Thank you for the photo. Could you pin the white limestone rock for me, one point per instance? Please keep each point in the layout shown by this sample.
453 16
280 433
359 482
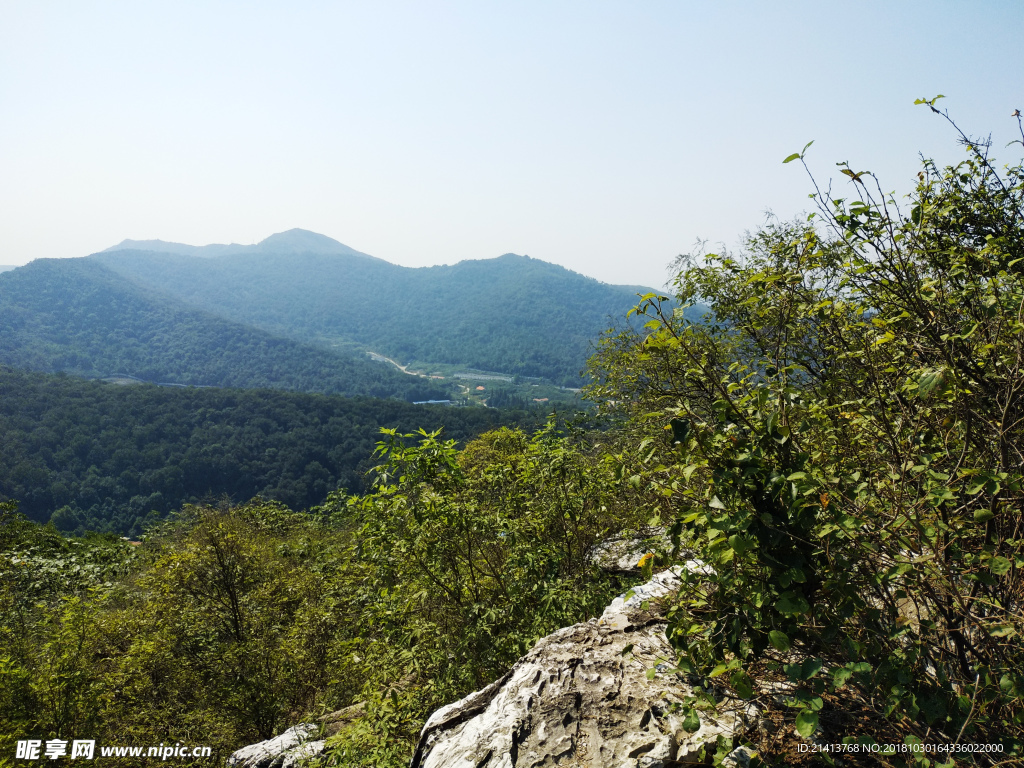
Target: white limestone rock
285 751
582 697
621 553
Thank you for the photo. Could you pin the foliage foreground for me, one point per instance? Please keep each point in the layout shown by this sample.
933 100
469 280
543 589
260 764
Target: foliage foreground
840 439
846 445
228 625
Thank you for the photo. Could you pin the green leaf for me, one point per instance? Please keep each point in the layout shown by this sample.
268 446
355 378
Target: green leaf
740 543
840 676
797 476
691 722
809 667
791 604
716 503
651 673
983 515
1006 684
999 565
1003 630
779 640
931 380
806 722
781 435
680 430
791 158
742 684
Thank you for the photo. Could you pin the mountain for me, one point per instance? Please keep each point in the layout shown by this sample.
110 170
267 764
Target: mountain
511 314
6 268
292 241
78 316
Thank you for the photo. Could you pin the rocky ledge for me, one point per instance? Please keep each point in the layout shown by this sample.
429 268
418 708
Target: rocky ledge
598 693
585 696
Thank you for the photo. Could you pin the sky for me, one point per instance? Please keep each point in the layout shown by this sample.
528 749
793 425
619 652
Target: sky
607 137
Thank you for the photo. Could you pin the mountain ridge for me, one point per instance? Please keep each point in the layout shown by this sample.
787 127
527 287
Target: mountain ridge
512 313
80 317
290 241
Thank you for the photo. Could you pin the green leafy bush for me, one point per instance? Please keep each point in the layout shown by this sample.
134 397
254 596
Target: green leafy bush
471 557
843 440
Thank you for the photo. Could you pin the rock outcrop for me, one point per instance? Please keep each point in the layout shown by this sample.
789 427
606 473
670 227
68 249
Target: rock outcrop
298 744
621 553
599 693
288 750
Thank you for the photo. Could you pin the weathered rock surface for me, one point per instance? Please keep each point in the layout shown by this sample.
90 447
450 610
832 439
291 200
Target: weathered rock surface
582 697
285 751
621 553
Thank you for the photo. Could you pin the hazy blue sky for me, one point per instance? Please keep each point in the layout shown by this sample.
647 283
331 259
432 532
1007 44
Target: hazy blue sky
603 136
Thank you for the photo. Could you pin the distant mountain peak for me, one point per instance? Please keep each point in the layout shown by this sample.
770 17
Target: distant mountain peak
303 241
293 241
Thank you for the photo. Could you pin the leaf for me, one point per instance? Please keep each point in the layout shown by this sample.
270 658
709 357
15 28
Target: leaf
983 515
1002 630
930 381
781 435
999 565
791 604
840 676
740 543
806 723
651 673
716 503
809 667
797 155
779 640
797 476
691 722
742 684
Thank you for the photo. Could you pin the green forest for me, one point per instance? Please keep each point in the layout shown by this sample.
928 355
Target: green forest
839 438
513 314
76 316
88 455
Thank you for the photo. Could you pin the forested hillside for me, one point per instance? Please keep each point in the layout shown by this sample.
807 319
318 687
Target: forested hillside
512 314
77 316
107 457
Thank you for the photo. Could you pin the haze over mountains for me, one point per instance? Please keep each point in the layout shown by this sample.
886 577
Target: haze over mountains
300 311
77 316
511 314
292 241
